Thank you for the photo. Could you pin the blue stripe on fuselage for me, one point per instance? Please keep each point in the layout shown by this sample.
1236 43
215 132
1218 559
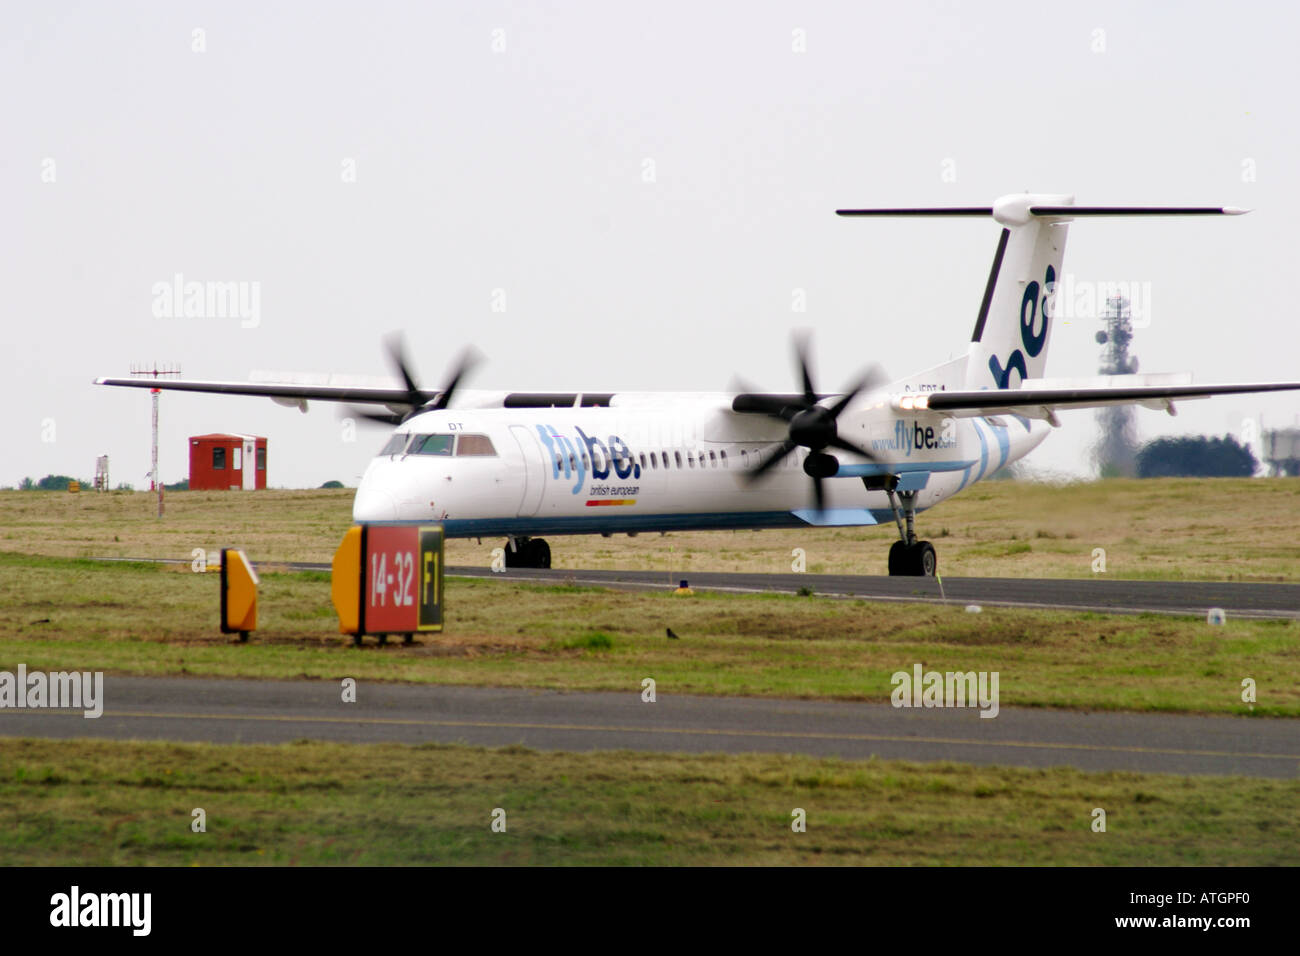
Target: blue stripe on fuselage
608 524
1004 442
984 448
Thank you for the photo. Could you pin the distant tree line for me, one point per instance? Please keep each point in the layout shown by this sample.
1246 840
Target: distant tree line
61 482
1196 457
53 483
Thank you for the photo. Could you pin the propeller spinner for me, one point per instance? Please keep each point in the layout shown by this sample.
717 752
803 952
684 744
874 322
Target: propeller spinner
811 424
418 399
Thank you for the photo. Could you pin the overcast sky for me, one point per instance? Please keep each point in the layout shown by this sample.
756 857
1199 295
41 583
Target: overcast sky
643 187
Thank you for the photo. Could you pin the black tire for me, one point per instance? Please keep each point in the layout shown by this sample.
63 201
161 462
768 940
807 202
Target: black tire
541 553
898 563
926 561
521 555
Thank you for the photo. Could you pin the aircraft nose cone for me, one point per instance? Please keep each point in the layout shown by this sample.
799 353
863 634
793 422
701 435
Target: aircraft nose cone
373 504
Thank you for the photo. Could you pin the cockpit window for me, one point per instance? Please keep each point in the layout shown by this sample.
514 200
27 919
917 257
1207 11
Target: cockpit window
395 444
475 445
430 445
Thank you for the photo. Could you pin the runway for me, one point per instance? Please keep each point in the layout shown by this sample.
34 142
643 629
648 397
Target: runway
1238 599
1096 594
249 711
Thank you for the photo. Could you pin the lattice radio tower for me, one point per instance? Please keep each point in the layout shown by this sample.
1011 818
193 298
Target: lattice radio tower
1115 453
155 371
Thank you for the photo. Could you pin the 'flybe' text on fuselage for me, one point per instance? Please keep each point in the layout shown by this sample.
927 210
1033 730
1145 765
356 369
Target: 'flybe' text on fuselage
571 455
913 435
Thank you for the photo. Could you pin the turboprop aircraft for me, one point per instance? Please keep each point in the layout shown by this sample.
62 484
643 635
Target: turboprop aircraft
527 464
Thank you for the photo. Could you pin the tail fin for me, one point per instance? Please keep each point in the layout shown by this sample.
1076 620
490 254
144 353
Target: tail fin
1014 325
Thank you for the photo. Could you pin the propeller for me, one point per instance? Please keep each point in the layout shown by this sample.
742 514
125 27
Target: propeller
811 424
418 399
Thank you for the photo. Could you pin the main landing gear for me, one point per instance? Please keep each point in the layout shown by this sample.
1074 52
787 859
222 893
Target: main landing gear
527 553
907 556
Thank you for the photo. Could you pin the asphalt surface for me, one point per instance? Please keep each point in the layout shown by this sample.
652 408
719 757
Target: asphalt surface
246 711
1238 599
1102 595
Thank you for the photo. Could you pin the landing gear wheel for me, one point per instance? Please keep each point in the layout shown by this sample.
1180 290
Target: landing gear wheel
898 559
407 639
926 561
528 553
918 560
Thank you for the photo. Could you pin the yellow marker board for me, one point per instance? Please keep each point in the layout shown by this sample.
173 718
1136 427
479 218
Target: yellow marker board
345 581
238 593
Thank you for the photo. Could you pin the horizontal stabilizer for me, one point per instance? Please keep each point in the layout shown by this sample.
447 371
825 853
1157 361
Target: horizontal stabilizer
1045 211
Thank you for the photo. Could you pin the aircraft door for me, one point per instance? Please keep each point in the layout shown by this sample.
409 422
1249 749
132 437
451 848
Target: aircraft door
534 472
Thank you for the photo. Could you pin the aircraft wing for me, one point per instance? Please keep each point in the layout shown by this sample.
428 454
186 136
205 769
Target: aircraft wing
1033 401
285 394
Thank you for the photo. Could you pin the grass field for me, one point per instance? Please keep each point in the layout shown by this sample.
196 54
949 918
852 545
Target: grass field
83 802
61 613
113 804
1194 529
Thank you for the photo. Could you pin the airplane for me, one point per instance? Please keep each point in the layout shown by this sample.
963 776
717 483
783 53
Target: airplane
521 465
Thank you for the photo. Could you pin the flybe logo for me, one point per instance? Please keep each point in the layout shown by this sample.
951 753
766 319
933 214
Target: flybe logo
1031 306
914 435
571 456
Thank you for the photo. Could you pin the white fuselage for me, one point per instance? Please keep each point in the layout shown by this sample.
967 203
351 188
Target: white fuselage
675 463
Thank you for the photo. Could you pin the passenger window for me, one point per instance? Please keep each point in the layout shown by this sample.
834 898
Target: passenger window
430 445
744 458
677 456
654 461
643 461
394 446
713 460
475 445
723 456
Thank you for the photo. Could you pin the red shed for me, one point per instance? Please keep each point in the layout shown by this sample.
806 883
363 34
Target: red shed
227 462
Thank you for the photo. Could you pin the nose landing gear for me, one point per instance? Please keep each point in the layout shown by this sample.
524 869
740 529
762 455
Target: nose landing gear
907 556
528 553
